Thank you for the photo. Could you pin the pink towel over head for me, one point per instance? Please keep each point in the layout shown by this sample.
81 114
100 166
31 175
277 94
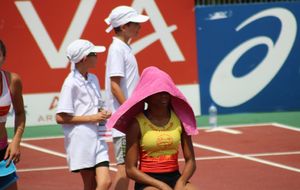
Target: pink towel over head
152 81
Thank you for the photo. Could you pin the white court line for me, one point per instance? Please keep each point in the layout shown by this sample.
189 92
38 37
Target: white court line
274 154
247 157
224 130
42 169
286 127
44 150
42 138
237 125
254 125
33 147
253 155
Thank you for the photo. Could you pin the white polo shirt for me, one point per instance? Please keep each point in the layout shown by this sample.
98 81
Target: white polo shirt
80 97
120 62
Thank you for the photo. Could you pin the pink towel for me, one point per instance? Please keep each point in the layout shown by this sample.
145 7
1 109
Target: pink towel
151 82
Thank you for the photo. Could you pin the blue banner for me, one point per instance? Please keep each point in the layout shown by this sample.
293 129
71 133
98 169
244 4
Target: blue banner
249 57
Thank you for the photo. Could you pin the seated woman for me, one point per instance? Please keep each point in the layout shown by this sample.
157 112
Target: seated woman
153 135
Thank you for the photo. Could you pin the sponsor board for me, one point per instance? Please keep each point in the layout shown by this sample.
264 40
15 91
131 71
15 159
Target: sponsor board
248 57
36 41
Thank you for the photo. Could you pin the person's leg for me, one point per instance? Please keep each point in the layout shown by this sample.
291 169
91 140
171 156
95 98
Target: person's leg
89 179
103 177
121 181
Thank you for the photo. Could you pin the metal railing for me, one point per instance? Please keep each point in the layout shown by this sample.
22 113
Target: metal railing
221 2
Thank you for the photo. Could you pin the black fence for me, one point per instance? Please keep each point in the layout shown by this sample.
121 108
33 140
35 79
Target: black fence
221 2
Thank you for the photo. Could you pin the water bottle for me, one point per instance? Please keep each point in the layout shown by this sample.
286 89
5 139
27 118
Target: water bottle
100 108
213 120
101 123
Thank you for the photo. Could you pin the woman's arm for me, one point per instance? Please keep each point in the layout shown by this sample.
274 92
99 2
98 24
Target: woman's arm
65 118
13 150
190 163
132 154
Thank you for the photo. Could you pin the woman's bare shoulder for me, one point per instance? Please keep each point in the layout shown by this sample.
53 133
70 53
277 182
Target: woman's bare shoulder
133 127
14 78
15 82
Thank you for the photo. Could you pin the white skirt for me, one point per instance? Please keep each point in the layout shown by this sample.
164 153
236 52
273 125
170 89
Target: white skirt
83 146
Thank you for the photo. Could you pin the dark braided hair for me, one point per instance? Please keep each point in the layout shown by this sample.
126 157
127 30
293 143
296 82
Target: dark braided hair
2 48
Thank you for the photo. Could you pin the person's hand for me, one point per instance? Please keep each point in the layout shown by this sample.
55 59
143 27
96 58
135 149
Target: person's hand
106 113
101 116
12 153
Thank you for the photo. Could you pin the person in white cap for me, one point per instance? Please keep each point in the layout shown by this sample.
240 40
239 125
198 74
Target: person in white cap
121 75
79 110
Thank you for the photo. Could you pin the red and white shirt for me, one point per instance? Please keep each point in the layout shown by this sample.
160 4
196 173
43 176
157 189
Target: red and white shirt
5 98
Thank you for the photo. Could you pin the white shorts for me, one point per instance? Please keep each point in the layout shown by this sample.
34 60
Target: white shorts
83 147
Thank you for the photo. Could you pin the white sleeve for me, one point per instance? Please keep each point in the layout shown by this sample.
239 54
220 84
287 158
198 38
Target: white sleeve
115 63
66 101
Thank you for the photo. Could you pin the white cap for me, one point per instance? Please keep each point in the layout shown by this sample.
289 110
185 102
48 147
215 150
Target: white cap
78 49
122 15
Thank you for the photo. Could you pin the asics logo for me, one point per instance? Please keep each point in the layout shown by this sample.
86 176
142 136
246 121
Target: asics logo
229 91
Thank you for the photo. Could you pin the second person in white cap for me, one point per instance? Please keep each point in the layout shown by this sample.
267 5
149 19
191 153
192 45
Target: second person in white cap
121 75
79 110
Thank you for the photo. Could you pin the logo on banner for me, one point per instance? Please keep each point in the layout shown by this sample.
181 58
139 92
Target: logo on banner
54 103
224 85
49 115
57 59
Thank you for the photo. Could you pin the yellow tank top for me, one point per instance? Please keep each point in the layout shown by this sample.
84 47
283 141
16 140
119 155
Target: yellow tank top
159 145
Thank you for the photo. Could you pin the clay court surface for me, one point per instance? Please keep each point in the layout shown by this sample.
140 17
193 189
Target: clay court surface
260 157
